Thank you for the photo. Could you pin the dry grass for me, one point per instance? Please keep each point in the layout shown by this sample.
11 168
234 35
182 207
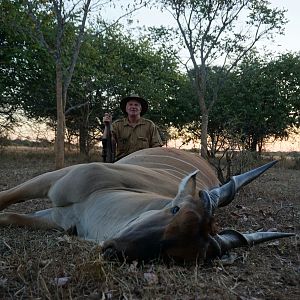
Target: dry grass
52 265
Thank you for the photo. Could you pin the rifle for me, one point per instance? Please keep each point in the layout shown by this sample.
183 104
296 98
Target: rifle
108 153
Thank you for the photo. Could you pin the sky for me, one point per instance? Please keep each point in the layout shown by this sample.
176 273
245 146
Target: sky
290 41
286 43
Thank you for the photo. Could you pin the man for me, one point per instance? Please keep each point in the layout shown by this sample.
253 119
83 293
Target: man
133 132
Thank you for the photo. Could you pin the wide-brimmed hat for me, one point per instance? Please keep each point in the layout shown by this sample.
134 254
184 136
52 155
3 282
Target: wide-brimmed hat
142 101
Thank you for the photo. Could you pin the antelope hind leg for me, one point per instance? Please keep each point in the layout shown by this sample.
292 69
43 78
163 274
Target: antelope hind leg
34 188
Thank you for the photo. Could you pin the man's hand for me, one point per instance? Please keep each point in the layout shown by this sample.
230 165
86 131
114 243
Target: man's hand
107 119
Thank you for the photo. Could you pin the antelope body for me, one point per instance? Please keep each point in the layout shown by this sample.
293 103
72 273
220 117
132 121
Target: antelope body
156 202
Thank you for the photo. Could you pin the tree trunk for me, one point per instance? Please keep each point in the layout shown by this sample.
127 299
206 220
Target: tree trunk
260 145
204 126
253 145
60 132
204 119
83 139
200 83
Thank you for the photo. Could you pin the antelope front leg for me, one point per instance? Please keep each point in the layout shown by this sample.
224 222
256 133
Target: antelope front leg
30 220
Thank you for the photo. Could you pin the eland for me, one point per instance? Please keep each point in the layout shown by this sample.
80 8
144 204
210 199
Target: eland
154 203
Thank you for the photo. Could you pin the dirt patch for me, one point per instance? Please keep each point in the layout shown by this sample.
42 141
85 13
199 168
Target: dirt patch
46 265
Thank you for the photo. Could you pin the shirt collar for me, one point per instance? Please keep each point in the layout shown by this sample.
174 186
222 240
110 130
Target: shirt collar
141 121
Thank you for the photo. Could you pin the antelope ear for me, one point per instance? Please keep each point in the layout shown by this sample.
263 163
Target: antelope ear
186 187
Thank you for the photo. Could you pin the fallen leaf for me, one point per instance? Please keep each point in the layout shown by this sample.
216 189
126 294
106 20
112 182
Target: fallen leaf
229 259
151 278
65 238
133 266
272 229
3 282
274 243
61 281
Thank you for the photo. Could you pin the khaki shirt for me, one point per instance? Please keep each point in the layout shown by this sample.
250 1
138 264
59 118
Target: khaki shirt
130 139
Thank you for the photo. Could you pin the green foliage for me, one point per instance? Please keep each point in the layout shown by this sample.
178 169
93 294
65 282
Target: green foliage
110 66
258 101
218 33
113 65
27 72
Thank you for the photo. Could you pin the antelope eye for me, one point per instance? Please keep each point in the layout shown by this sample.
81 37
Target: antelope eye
175 209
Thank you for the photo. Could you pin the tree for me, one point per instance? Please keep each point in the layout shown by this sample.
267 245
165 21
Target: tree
113 65
13 61
286 68
64 66
218 32
261 100
273 106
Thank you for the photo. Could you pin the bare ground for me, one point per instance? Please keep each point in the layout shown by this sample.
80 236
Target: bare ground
52 265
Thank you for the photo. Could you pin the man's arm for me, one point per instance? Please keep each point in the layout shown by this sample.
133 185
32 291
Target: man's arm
156 138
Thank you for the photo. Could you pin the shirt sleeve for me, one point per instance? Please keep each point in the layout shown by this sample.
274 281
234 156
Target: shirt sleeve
114 129
155 138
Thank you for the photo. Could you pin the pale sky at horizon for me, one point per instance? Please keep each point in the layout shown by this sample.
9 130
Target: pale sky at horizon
291 40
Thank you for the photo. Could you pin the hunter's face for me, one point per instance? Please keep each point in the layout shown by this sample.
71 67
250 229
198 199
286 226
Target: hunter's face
133 108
